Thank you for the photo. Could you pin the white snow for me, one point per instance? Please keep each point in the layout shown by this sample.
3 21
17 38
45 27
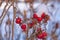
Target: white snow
41 8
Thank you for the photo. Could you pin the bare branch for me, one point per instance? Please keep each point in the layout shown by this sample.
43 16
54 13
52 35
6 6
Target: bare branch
5 13
14 16
0 2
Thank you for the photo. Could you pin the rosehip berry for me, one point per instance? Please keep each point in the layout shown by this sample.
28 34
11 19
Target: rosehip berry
40 36
39 19
18 20
23 26
31 24
44 34
43 15
35 15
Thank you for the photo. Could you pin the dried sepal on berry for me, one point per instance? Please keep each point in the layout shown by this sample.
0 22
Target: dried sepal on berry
31 24
34 21
46 18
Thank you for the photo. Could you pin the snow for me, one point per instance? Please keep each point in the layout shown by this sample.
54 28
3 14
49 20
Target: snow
41 8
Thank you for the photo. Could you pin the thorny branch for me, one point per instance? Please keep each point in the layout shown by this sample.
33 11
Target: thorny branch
4 9
5 12
14 16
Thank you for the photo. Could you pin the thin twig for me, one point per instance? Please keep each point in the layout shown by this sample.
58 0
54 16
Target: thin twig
5 13
0 2
4 9
14 16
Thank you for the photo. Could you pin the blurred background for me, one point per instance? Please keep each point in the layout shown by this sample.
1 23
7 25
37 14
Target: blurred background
12 9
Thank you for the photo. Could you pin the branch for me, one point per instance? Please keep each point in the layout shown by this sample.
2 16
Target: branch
14 16
0 2
4 10
5 13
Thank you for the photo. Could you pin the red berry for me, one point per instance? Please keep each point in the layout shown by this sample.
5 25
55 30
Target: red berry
35 15
43 15
40 36
31 24
44 34
39 19
23 26
18 20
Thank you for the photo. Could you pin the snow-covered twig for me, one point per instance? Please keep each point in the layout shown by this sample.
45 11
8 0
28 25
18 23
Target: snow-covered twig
5 12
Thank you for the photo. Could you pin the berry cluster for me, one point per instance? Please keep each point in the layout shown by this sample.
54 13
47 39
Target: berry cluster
35 19
41 34
44 17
